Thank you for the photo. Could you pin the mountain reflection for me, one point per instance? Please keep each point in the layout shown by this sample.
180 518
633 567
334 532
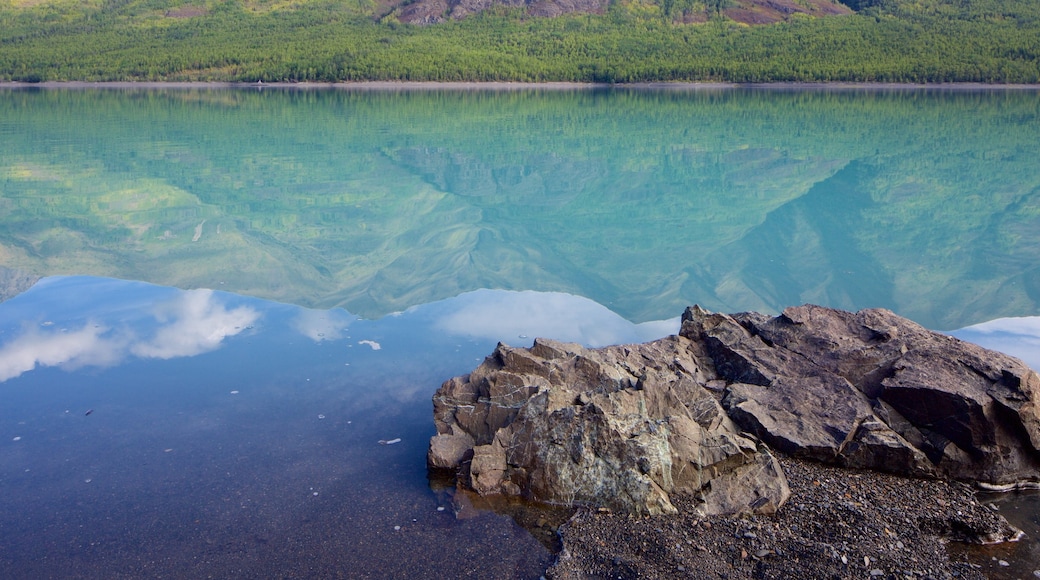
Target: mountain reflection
644 201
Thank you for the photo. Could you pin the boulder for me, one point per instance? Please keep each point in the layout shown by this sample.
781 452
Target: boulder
621 428
874 390
626 427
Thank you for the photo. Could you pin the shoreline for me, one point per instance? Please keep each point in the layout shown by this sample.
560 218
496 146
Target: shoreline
514 86
838 523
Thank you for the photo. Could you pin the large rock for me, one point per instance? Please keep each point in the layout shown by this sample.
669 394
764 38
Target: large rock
874 390
625 427
620 427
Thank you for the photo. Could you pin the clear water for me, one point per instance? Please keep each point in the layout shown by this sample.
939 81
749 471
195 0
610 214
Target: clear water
194 388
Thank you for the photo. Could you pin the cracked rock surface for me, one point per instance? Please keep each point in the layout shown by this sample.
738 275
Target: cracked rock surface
631 428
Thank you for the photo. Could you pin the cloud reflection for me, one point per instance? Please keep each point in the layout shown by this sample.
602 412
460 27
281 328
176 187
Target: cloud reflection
319 325
493 314
70 350
1018 337
192 323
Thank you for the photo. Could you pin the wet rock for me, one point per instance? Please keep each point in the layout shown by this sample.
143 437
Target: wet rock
449 451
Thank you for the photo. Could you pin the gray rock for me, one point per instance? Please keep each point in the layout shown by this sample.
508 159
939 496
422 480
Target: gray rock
874 390
626 427
449 451
620 428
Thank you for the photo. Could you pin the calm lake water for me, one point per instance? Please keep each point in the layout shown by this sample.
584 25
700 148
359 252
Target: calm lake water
246 294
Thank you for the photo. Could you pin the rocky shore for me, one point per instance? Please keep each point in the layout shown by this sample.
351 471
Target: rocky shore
817 443
838 523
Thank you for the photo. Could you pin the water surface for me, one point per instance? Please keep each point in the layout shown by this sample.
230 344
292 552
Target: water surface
245 291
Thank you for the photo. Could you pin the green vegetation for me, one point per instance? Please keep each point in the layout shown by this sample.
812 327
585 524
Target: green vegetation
338 40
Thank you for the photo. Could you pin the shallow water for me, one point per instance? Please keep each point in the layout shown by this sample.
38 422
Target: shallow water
198 432
245 292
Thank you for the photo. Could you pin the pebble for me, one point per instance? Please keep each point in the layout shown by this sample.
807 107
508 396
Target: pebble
1003 563
827 538
397 528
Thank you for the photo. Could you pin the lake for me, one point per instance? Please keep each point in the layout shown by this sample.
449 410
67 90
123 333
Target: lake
226 310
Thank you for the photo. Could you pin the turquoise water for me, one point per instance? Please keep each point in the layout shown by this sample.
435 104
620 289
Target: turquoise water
245 291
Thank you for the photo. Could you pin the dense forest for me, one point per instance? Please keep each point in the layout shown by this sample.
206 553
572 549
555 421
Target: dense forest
911 41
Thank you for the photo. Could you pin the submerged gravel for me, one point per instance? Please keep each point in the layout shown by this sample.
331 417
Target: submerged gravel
838 523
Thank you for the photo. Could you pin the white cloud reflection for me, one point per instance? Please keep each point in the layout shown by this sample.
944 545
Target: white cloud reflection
319 325
70 350
522 316
1018 337
192 323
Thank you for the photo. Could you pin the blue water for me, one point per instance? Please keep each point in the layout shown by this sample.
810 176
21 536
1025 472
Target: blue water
244 293
149 430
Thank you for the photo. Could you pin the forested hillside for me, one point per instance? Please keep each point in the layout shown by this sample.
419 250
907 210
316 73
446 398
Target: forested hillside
994 41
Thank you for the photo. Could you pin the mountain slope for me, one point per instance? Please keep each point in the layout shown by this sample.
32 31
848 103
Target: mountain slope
682 11
606 41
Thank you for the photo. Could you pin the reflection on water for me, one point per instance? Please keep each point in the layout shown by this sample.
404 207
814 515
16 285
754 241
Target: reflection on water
644 201
149 430
189 323
163 428
1019 337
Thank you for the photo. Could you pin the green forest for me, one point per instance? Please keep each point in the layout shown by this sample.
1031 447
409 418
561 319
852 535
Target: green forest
902 41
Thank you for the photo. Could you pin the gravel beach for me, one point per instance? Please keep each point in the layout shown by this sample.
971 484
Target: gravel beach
838 523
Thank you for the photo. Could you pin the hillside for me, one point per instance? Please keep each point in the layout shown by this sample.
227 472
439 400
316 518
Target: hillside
752 12
995 41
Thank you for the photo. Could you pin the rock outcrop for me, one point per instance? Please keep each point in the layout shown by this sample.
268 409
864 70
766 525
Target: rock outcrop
625 427
620 427
874 390
744 11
